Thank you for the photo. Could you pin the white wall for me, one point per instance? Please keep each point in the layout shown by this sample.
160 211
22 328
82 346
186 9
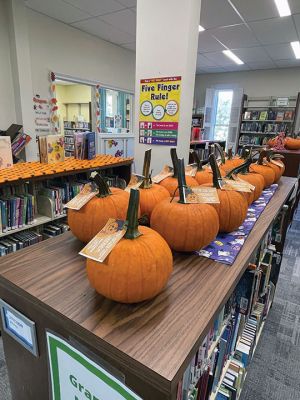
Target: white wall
57 47
273 82
7 104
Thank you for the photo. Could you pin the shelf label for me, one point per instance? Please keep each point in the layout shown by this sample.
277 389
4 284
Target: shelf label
19 327
74 376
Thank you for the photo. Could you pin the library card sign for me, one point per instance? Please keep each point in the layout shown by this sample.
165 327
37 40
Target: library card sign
76 377
159 110
19 327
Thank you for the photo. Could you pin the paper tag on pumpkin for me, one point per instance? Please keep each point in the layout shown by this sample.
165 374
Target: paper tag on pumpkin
105 240
165 173
135 182
230 184
203 195
238 179
278 163
191 170
87 193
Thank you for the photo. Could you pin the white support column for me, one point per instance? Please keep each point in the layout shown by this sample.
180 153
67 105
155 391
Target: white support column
166 45
21 71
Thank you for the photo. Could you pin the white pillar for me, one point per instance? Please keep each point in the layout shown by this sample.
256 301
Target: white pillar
166 45
21 72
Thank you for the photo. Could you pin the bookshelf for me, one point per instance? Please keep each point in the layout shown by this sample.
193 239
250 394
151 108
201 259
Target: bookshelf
151 343
264 117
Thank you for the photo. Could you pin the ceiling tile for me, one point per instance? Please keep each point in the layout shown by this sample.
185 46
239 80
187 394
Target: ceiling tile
276 30
261 65
203 61
124 20
129 46
58 9
99 28
207 43
297 23
127 3
280 51
236 68
252 54
219 59
287 63
255 10
225 14
96 7
236 37
212 69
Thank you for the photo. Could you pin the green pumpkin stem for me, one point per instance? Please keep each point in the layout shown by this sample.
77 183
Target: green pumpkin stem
241 169
103 187
182 186
221 152
197 160
217 178
147 183
132 231
174 161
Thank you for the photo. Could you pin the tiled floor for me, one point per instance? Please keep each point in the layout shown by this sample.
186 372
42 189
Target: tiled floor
274 373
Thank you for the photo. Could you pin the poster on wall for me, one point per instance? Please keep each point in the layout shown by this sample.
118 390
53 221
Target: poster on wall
159 110
41 109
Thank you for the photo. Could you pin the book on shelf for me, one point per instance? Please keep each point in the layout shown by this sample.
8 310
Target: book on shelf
6 160
263 115
280 116
247 115
272 115
84 145
288 115
51 148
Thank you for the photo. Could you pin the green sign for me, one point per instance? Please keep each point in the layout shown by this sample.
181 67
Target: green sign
76 377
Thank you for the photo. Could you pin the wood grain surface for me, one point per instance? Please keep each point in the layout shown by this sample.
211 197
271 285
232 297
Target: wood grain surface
155 339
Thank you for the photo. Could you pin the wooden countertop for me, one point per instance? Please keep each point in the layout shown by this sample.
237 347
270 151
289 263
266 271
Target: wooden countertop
155 339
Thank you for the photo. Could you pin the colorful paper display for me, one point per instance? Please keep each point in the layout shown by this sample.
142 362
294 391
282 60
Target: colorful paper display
159 110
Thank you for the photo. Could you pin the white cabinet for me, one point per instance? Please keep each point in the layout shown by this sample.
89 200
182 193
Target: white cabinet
118 145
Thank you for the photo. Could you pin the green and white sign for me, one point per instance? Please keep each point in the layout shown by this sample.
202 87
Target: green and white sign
76 377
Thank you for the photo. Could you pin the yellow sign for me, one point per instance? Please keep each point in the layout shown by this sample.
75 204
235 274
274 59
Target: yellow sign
159 110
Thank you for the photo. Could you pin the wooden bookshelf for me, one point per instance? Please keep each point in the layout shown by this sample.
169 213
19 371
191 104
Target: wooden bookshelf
151 343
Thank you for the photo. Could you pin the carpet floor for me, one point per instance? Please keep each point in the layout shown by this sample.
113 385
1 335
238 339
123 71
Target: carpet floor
274 372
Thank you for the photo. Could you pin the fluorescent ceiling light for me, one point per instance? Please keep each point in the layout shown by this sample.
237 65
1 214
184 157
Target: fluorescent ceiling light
233 57
296 49
201 29
283 7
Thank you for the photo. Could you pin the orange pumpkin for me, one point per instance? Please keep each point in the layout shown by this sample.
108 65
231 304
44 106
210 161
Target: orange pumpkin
231 161
171 182
276 165
202 175
233 206
185 227
150 194
262 168
292 143
138 267
91 218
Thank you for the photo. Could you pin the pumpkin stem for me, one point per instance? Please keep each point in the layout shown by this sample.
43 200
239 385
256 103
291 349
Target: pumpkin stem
230 154
217 179
182 186
132 231
262 155
174 161
241 169
197 161
221 152
103 187
245 153
147 183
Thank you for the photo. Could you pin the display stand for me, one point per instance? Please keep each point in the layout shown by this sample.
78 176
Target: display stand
150 343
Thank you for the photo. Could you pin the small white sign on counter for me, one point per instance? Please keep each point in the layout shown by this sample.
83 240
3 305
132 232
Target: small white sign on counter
19 327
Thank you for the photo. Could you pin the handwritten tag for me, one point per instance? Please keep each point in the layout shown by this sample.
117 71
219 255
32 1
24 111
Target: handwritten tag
105 240
238 179
87 193
234 185
135 182
191 170
278 163
203 195
165 173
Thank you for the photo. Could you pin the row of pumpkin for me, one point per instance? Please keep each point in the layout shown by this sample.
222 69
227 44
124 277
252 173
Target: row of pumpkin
139 266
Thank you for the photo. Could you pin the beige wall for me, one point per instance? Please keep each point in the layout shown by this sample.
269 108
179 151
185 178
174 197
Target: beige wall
7 104
273 82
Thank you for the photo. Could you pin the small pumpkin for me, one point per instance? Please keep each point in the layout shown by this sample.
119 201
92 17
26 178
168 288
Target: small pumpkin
185 227
262 168
92 217
231 161
233 206
150 193
276 164
203 175
138 267
171 182
292 143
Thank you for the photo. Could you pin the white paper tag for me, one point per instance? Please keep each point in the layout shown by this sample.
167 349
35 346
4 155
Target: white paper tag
87 193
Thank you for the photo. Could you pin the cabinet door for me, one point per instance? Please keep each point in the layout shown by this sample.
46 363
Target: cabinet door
114 147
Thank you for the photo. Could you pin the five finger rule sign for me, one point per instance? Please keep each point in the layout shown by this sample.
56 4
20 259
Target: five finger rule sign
159 110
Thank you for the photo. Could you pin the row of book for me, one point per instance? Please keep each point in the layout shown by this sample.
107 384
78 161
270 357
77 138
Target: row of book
254 140
268 115
264 127
84 145
76 125
16 211
20 240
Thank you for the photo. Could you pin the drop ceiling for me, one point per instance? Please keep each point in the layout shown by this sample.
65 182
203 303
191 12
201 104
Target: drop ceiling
252 29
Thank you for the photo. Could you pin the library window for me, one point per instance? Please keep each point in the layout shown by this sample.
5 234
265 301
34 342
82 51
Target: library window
222 113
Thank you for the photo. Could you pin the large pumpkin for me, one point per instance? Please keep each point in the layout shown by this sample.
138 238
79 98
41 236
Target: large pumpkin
292 143
138 267
185 227
92 217
150 194
233 206
261 167
171 182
